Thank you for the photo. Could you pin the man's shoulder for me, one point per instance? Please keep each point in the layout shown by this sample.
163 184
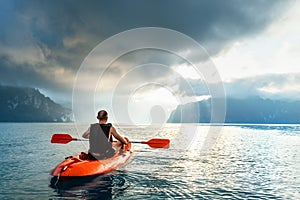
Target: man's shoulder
97 124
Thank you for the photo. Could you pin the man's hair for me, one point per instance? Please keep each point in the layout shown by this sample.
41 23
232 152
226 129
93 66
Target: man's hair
102 115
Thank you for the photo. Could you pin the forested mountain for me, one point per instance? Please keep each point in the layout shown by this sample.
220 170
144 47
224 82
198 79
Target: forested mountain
250 110
29 105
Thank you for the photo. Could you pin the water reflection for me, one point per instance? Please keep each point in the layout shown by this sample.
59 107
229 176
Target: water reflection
94 187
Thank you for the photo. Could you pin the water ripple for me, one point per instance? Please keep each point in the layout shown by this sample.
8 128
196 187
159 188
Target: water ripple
245 163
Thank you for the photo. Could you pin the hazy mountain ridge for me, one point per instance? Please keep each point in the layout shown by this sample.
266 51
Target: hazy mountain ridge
250 110
29 105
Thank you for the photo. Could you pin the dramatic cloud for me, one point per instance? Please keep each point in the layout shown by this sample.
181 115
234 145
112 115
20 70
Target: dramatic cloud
252 43
42 43
274 86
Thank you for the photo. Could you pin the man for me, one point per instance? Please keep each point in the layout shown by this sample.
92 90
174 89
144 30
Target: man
100 137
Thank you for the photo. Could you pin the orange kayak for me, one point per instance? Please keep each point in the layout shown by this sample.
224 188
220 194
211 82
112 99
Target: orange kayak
78 166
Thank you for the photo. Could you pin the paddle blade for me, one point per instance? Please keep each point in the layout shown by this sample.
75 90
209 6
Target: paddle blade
61 138
158 143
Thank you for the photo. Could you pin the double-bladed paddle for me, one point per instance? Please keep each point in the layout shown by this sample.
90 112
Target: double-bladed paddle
153 143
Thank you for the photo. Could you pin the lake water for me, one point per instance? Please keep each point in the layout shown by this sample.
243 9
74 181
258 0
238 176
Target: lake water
241 162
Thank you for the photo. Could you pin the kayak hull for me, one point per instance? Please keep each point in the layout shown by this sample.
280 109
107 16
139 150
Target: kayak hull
76 166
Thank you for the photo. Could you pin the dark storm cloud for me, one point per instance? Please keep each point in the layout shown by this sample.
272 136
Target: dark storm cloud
27 75
37 36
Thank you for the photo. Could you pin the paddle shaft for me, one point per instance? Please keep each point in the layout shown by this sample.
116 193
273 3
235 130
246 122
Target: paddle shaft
153 143
133 141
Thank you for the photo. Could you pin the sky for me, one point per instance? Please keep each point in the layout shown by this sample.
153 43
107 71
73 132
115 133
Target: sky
252 45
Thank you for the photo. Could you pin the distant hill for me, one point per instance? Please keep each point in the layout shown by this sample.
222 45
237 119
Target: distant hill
29 105
251 110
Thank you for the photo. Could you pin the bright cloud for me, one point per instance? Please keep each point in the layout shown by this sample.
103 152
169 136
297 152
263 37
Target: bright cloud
187 71
281 89
275 51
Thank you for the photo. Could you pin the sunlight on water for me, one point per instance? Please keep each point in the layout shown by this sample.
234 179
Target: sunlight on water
245 162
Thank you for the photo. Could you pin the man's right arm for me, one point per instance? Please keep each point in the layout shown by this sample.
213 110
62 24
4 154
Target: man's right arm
86 134
117 136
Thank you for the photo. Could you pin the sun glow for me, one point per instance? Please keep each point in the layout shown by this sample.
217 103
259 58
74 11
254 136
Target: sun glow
148 106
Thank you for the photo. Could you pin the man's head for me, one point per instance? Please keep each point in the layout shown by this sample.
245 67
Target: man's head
102 115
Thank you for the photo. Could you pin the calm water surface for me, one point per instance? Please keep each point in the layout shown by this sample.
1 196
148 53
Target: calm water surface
245 162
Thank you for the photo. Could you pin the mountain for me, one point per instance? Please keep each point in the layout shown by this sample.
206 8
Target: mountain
29 105
251 110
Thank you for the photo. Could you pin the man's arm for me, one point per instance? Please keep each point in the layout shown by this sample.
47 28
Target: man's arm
117 136
86 134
